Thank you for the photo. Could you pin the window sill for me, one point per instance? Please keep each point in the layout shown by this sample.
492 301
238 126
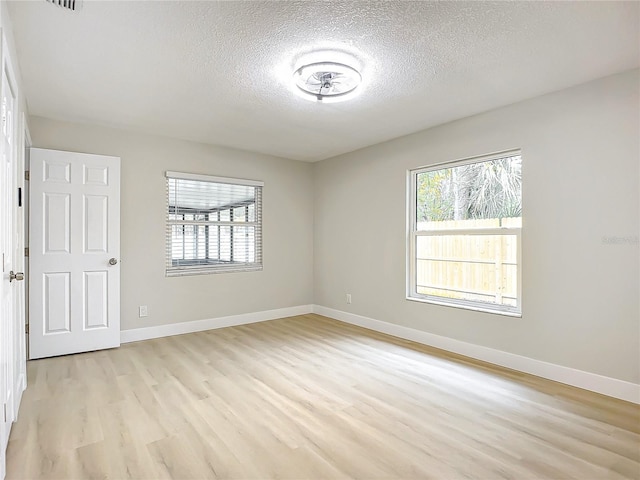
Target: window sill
474 308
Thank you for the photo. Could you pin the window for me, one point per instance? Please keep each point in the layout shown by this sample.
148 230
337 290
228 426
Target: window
465 221
214 224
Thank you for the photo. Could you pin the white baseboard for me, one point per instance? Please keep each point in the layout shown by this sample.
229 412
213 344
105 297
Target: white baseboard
578 378
146 333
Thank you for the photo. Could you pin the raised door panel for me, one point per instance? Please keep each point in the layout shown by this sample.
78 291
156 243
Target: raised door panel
56 172
57 300
96 225
95 289
97 175
57 223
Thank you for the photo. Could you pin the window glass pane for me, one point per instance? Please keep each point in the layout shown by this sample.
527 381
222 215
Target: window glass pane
471 248
214 241
177 247
188 241
225 243
478 195
240 214
201 242
243 244
468 267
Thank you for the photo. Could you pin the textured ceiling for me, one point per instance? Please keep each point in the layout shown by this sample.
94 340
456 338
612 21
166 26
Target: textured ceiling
220 72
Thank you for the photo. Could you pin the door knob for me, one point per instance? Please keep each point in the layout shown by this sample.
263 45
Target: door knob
15 276
113 261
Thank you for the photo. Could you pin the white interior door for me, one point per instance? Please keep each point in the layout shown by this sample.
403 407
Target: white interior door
8 240
74 252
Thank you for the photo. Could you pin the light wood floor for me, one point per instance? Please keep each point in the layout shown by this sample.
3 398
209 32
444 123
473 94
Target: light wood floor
308 397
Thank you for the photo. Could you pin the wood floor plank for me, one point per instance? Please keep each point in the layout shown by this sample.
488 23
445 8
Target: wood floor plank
309 397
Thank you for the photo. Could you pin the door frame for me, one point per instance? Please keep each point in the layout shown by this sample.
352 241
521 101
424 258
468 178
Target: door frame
27 143
21 334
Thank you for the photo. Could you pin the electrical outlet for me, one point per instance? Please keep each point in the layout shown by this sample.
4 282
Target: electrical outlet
142 311
348 298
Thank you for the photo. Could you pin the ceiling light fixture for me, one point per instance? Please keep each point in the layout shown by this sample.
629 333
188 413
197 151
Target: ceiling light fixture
327 80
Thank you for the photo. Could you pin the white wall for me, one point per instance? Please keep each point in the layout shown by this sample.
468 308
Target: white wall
287 277
581 156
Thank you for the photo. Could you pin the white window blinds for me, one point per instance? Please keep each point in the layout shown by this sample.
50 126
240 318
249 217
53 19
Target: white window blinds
214 224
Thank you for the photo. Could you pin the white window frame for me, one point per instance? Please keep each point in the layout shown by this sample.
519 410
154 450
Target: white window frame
182 270
413 233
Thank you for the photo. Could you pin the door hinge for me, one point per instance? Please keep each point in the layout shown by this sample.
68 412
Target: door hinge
26 329
26 174
5 412
26 251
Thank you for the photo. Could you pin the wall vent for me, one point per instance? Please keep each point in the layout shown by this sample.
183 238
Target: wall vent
68 4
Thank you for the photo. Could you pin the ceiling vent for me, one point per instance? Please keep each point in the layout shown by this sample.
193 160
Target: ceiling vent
68 4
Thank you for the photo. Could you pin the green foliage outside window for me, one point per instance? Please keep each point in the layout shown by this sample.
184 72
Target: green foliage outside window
491 189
